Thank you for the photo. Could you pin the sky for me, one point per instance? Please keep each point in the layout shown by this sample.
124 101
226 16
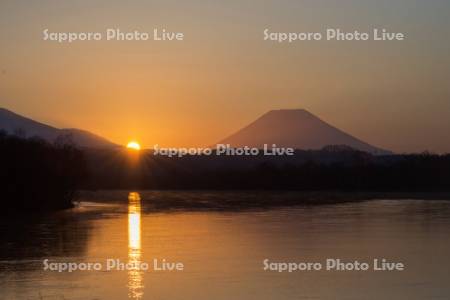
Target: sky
223 75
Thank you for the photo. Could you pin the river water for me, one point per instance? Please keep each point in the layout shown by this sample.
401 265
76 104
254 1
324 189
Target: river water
222 253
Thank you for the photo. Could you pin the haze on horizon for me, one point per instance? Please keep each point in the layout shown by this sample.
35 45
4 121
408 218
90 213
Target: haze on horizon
223 75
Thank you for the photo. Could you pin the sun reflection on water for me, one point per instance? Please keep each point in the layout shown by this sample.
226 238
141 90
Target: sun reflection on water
135 275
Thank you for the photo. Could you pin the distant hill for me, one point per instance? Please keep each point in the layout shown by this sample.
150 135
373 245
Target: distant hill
298 129
19 125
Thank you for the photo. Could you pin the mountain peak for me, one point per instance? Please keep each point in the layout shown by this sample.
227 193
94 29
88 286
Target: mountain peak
12 123
289 113
295 128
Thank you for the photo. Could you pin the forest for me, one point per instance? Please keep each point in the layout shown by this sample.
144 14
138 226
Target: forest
38 175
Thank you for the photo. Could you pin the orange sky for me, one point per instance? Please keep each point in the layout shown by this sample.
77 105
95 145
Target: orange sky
223 75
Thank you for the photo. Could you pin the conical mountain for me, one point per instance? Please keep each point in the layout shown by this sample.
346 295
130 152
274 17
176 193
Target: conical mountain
297 129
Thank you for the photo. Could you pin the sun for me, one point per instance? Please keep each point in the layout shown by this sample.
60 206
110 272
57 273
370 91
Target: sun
134 145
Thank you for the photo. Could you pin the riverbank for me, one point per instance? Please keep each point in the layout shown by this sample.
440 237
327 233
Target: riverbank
199 200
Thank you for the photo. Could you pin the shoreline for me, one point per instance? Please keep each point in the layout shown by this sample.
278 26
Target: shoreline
226 200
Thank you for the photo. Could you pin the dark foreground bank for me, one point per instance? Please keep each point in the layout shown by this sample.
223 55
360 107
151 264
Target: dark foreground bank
334 168
36 175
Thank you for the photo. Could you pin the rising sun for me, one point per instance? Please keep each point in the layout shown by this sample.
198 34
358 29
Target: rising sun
134 145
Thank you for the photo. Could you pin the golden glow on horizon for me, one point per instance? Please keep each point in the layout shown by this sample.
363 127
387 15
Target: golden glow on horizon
198 92
134 145
135 275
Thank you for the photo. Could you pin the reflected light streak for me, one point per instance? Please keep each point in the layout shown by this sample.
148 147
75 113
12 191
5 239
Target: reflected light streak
135 275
